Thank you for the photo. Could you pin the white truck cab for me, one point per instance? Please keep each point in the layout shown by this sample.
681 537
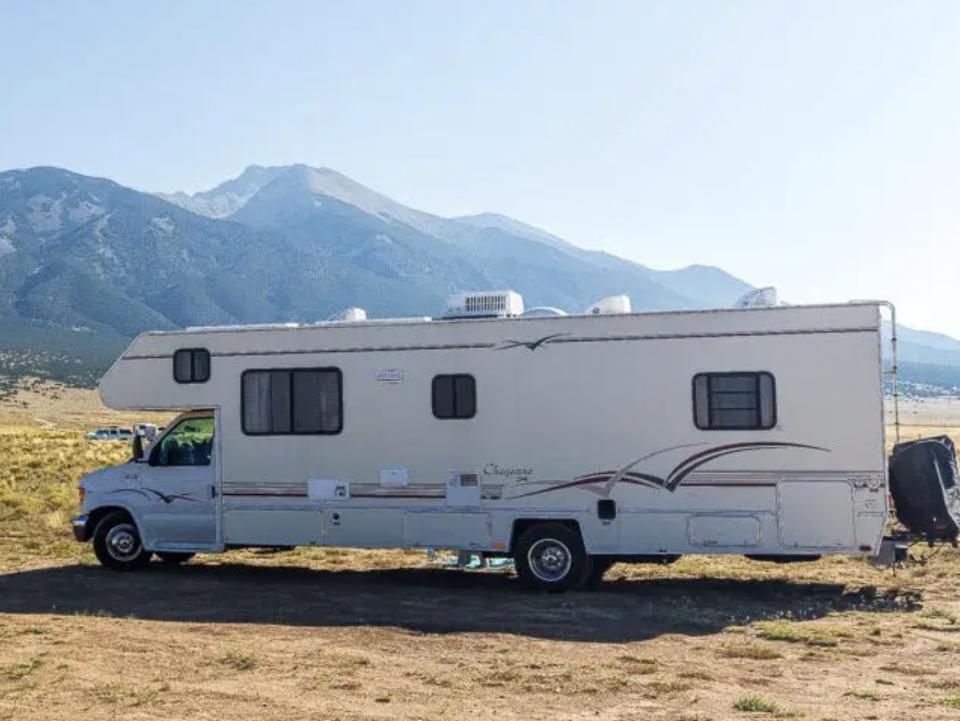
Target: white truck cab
168 491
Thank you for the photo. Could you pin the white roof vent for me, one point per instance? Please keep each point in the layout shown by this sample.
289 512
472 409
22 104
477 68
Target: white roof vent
489 304
758 298
349 315
612 305
543 311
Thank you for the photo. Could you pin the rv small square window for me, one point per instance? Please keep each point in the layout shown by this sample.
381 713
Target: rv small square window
191 365
298 401
454 396
734 401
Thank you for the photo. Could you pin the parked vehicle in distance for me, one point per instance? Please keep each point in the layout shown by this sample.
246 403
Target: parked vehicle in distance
112 433
566 442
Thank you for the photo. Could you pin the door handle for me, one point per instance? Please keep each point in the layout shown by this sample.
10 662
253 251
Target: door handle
213 491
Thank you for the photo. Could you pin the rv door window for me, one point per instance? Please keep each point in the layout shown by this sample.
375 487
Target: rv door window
454 396
300 401
734 401
191 365
189 443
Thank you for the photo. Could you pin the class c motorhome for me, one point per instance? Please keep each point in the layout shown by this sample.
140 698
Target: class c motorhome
566 442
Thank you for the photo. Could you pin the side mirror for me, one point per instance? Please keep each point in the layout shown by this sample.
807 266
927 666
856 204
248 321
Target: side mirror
139 454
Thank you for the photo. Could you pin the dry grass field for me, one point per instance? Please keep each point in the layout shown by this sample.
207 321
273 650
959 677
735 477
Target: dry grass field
333 634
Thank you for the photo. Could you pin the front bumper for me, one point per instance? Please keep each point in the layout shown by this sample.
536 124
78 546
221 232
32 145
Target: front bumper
81 530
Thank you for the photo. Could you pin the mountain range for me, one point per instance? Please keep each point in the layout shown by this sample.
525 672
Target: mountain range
86 263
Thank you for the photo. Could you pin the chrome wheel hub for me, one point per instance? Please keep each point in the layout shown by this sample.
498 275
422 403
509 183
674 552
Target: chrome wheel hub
122 543
550 560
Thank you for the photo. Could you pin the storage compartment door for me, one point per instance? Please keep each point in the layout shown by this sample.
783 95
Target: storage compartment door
363 527
447 530
815 514
719 531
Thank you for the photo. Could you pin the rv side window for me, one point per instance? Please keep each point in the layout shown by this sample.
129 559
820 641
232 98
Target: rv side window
454 396
191 365
734 401
295 401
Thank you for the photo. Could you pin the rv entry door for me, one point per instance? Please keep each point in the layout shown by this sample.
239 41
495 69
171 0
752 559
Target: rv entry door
178 487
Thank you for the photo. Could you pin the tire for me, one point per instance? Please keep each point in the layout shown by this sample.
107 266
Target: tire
117 544
550 557
171 558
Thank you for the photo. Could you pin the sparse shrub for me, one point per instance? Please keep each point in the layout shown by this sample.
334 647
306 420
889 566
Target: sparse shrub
239 660
638 665
945 684
660 688
345 685
908 670
33 631
864 695
120 694
755 704
750 650
17 671
940 614
794 633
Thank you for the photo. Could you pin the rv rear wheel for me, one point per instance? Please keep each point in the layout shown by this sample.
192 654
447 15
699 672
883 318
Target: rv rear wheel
170 558
117 544
550 557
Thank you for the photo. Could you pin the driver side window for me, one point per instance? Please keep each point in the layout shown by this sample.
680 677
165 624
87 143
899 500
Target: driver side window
190 443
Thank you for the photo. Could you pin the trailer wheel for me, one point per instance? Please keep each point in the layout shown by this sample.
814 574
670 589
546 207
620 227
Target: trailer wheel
117 544
171 558
550 557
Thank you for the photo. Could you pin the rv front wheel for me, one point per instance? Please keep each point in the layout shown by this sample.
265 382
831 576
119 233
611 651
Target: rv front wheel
117 544
550 556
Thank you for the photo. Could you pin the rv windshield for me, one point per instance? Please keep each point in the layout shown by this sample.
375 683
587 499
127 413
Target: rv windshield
189 443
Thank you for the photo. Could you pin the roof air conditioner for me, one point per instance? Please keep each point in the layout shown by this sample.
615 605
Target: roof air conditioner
758 298
489 304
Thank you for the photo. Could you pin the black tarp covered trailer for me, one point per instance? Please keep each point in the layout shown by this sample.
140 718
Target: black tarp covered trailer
924 486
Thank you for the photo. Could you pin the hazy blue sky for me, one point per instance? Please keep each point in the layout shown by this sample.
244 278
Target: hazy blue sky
814 146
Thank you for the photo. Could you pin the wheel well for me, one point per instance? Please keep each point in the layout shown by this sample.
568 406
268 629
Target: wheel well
522 525
99 514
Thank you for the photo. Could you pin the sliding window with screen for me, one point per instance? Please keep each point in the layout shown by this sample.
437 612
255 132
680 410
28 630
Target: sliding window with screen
734 401
191 365
292 401
454 396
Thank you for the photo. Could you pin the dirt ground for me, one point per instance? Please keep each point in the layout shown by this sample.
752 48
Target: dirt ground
335 634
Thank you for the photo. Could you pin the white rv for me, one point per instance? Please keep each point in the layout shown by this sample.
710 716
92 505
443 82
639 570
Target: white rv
564 441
